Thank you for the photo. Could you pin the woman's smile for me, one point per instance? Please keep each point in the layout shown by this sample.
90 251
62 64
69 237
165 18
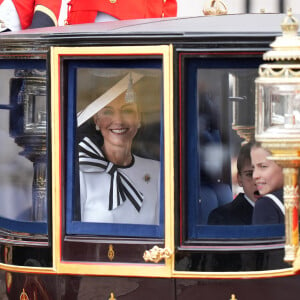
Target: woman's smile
118 122
119 130
267 174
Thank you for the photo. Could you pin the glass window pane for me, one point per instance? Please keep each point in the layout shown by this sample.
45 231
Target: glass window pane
218 110
118 114
23 130
16 171
221 120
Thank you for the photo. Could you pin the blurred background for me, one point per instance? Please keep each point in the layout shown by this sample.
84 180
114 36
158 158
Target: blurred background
195 7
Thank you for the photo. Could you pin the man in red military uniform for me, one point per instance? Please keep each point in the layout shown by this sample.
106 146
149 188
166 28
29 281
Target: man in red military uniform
90 11
22 14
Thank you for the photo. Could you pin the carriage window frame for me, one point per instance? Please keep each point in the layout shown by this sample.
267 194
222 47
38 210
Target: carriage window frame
190 233
74 227
157 57
14 226
67 248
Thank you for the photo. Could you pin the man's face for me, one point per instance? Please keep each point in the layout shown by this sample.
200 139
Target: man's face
246 181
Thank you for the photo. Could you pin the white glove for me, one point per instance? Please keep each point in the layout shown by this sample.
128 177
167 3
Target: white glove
9 18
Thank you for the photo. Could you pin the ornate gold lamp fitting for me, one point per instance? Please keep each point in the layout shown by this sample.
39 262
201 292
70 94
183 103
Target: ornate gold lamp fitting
214 8
156 254
278 119
287 46
246 133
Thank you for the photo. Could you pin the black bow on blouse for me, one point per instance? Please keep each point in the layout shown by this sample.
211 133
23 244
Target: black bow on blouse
91 159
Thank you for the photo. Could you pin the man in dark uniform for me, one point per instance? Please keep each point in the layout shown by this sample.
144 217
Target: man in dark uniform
239 211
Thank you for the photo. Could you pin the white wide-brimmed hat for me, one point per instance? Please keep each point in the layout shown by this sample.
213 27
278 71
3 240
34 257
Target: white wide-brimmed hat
111 94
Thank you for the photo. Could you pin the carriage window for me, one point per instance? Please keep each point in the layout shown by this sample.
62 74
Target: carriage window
217 200
117 142
107 109
23 158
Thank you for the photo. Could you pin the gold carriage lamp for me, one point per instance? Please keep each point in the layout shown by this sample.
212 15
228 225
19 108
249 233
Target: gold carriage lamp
278 120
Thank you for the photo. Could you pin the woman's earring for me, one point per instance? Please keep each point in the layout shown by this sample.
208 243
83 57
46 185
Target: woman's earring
139 125
97 127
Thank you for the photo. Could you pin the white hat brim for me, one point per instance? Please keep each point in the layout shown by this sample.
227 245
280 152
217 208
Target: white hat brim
111 94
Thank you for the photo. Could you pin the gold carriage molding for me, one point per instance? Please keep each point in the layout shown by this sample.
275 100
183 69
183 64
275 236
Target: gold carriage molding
156 254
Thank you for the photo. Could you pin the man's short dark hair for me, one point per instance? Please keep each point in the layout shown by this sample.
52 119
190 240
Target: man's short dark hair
244 156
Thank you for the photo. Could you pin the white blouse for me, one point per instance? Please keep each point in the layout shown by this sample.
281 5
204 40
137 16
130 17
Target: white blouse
94 195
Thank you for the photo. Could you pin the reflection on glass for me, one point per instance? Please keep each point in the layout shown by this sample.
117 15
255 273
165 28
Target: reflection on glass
35 111
119 145
23 161
279 105
16 171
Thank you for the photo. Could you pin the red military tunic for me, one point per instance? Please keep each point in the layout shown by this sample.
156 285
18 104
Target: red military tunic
81 11
27 8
